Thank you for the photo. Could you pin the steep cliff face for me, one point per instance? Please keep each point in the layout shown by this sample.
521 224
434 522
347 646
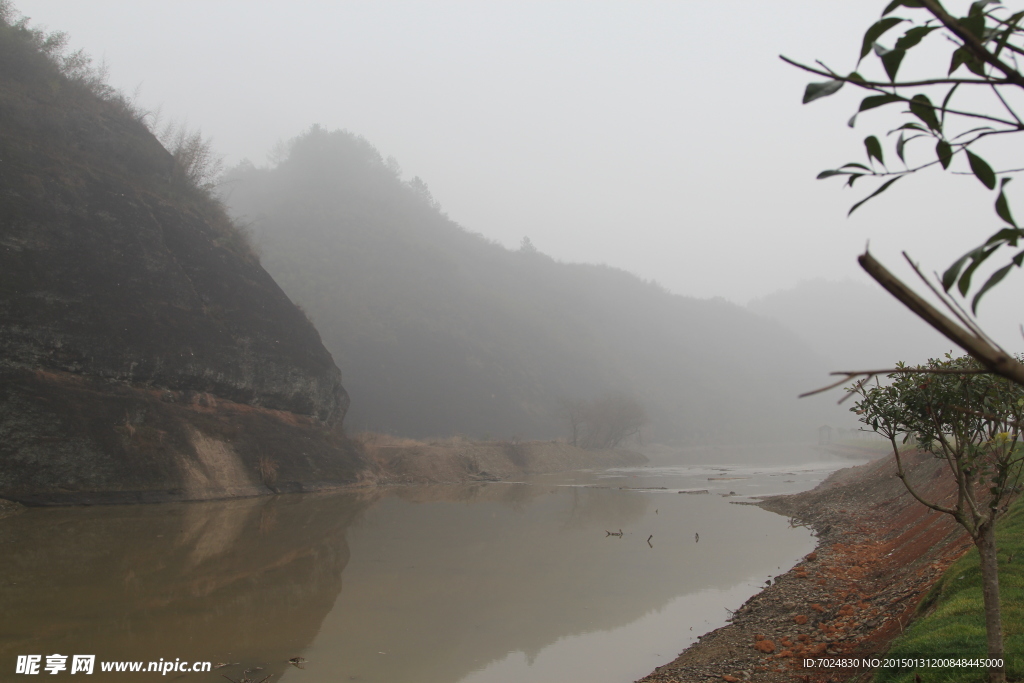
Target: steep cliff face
127 297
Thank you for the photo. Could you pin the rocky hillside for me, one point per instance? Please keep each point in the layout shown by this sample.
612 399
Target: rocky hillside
144 351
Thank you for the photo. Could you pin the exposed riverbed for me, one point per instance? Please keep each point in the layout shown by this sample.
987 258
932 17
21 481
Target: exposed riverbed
481 583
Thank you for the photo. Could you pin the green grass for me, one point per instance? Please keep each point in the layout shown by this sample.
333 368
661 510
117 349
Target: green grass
956 625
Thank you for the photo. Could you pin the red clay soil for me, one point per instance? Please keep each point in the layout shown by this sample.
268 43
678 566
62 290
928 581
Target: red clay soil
879 552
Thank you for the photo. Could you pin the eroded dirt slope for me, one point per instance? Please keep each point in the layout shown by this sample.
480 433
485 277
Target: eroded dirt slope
879 552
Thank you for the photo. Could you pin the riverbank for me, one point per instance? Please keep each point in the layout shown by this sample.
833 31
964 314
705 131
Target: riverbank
9 508
386 461
458 460
879 552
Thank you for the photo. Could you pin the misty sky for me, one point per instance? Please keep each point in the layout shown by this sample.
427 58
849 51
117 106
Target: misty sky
664 138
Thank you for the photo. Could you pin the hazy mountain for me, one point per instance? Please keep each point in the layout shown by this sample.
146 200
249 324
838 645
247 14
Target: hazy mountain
856 326
439 330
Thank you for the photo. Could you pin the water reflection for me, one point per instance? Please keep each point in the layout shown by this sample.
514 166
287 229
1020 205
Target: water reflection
229 581
514 582
482 583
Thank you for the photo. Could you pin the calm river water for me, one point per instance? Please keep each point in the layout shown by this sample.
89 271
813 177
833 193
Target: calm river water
483 583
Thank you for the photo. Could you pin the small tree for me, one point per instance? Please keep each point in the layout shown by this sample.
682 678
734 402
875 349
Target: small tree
971 420
604 422
573 412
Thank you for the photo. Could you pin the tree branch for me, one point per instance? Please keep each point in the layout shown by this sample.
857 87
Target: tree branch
990 356
972 43
876 86
903 477
897 84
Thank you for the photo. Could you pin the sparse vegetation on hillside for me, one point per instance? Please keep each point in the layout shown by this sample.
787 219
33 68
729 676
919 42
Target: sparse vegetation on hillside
32 55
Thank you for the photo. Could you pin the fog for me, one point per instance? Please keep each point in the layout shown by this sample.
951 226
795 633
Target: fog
664 139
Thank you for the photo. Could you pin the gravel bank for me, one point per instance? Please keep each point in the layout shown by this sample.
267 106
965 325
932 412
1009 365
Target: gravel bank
879 551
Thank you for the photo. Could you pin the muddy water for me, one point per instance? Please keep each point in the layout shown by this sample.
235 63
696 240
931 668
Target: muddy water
484 583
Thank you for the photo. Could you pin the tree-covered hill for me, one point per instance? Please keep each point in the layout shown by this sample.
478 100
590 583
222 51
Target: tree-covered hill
439 330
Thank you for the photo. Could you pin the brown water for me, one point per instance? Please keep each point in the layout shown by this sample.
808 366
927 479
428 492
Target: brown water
485 583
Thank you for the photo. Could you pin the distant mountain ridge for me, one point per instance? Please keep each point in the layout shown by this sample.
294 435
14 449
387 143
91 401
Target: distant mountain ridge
441 331
855 325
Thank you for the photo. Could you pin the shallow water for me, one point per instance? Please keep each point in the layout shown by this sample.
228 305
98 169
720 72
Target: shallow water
483 583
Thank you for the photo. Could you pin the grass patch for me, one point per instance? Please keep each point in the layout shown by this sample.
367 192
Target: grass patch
956 625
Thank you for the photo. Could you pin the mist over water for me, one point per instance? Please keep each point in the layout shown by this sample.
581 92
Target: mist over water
440 584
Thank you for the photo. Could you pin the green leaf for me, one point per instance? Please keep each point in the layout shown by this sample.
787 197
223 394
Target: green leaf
891 61
961 56
975 23
1005 236
914 36
1003 208
874 149
874 194
976 67
871 102
905 3
853 178
815 91
981 170
899 147
922 108
978 6
945 103
855 165
949 277
829 174
913 125
875 32
978 256
945 153
994 280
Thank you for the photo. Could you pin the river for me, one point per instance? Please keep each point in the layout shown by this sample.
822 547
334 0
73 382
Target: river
483 583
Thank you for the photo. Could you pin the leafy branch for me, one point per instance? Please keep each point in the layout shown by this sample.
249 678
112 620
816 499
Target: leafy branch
979 40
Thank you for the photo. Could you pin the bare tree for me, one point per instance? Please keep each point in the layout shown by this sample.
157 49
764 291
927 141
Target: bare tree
573 411
604 422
